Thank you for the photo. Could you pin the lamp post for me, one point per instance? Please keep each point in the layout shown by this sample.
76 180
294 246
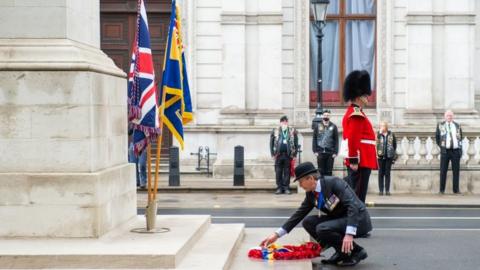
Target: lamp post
319 10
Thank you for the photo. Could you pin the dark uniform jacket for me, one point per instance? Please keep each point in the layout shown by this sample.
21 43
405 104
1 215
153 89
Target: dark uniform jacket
276 141
441 135
386 146
349 207
325 139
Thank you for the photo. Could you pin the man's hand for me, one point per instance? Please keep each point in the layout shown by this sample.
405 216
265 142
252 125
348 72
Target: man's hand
354 167
269 240
347 245
334 155
316 154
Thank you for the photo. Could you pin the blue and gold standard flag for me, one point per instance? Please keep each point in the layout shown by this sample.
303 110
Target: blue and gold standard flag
175 103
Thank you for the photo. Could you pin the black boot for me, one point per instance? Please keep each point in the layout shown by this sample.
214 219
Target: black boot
334 259
358 254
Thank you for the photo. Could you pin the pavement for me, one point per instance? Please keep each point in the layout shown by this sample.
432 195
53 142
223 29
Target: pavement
232 199
203 191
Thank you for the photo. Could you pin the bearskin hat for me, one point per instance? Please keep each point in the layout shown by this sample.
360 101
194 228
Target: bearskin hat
356 84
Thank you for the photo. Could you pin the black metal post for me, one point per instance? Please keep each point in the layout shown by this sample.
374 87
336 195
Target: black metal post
174 167
319 110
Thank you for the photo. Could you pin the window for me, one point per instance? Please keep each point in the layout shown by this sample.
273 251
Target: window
348 44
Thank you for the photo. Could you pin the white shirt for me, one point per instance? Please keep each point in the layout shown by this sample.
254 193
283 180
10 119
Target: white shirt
451 129
349 230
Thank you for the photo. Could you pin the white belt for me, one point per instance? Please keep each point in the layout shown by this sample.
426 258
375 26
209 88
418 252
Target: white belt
368 142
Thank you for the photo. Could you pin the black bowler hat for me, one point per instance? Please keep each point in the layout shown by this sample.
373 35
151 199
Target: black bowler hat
304 169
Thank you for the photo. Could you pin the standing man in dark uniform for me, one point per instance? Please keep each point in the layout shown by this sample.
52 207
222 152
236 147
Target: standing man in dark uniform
341 216
449 137
283 148
325 144
358 133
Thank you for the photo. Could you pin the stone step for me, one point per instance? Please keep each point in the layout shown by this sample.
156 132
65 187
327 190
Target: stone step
119 249
215 250
253 237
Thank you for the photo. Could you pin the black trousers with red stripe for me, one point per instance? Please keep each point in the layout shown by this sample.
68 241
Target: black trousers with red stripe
358 180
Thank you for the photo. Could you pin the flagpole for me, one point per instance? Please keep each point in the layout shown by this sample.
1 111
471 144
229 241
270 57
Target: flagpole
159 142
157 161
149 170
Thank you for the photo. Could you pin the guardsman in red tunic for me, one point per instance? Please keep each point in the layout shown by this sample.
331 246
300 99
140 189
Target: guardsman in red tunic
358 133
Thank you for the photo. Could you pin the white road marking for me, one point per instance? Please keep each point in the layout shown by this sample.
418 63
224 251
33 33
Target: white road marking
379 218
424 229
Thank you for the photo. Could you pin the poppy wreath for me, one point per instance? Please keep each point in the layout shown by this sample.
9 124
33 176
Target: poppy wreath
286 252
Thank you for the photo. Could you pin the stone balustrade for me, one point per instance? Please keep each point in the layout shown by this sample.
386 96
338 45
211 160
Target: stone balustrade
421 151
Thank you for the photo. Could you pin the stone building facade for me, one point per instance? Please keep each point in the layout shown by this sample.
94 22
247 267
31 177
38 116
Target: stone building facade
249 64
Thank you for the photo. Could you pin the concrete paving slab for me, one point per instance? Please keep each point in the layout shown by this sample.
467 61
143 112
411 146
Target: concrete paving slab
252 239
118 249
215 250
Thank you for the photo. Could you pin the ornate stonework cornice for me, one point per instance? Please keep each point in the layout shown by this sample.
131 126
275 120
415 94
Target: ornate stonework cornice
54 55
429 18
266 18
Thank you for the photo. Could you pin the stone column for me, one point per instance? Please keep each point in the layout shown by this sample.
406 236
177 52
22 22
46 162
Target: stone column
252 62
63 126
269 46
302 115
234 60
420 44
459 40
385 62
440 61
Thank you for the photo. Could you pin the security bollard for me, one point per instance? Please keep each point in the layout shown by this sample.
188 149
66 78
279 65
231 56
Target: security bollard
174 167
238 167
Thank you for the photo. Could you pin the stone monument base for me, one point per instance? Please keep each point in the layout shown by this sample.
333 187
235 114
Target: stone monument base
66 204
192 243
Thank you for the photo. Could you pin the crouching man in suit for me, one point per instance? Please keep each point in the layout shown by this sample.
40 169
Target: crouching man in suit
340 217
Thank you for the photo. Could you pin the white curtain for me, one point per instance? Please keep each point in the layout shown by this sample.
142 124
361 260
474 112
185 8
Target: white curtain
360 47
360 7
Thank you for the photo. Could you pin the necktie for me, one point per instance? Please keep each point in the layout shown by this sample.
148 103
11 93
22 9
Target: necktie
319 199
451 136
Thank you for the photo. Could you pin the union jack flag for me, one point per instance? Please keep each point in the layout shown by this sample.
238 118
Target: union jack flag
142 91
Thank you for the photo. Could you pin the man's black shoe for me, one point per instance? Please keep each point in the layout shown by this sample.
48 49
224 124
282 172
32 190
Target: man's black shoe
279 191
354 258
288 192
334 259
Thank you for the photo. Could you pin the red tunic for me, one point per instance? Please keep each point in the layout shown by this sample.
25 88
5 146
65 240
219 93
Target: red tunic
359 132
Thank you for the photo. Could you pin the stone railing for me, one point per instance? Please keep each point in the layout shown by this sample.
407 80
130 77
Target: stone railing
421 151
